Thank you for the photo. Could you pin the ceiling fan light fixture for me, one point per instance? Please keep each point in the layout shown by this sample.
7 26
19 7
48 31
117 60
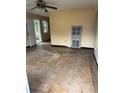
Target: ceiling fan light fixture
46 11
40 4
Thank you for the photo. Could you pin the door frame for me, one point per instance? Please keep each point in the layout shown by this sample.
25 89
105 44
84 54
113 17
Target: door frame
32 39
39 29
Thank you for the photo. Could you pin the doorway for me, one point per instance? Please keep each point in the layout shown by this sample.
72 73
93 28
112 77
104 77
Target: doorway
37 31
76 36
31 40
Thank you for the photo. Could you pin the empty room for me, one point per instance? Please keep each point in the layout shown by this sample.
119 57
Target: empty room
62 46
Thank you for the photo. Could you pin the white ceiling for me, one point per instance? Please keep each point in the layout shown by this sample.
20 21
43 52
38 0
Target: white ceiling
61 5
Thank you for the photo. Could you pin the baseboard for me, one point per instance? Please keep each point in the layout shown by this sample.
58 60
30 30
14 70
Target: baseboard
31 46
27 46
71 47
59 46
87 48
95 60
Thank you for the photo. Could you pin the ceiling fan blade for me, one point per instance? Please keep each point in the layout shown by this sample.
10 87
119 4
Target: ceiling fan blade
33 8
51 7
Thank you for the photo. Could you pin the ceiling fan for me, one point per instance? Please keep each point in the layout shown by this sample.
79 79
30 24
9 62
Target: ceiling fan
40 4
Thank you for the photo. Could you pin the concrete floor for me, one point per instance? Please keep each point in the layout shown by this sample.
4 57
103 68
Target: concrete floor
61 70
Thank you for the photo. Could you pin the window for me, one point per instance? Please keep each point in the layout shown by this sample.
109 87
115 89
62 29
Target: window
45 26
76 36
36 26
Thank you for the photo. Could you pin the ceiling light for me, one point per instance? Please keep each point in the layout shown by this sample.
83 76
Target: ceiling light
46 10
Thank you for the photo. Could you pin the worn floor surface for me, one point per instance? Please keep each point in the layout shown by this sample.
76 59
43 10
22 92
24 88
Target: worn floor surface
61 70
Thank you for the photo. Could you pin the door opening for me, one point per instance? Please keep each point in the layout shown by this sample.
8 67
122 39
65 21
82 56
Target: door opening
76 36
30 30
37 31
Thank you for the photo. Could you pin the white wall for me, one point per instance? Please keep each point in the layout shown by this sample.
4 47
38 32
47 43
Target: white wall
62 21
96 45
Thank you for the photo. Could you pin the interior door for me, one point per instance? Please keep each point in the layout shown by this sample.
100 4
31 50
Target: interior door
76 36
37 31
31 32
27 39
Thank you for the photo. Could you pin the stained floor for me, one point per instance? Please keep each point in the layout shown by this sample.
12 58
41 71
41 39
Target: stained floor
53 69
